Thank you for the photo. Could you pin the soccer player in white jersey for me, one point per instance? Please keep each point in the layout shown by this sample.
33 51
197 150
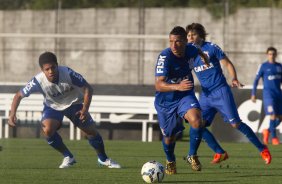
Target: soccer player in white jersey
66 93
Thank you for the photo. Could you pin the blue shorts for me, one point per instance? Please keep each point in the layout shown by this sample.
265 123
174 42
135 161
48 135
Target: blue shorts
220 100
272 106
169 116
70 113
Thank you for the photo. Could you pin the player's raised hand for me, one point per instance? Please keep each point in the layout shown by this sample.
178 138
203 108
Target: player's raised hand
12 120
185 85
236 83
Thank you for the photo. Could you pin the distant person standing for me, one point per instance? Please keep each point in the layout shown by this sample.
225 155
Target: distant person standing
216 94
66 93
271 73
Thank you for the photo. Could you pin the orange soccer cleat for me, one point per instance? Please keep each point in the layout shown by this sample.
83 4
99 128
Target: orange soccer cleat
275 141
265 136
219 158
266 156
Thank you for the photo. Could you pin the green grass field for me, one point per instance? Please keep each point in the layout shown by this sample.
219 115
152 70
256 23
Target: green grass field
33 161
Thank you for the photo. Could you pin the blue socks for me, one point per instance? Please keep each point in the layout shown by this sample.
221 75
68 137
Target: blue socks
195 140
277 123
248 132
272 128
98 144
211 141
56 142
169 151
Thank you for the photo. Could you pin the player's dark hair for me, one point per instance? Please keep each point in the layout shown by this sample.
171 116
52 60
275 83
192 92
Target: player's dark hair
180 31
46 58
271 49
198 28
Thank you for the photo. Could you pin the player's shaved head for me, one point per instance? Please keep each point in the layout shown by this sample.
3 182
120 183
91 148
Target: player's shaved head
46 58
180 31
198 28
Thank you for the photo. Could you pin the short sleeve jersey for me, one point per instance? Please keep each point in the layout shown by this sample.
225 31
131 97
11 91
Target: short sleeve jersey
211 78
174 69
271 74
60 95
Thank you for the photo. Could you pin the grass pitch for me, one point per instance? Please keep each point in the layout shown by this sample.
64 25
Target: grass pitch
33 161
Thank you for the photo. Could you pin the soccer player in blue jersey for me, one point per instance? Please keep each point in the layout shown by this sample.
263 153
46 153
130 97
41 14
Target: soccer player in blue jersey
271 73
216 94
66 93
175 97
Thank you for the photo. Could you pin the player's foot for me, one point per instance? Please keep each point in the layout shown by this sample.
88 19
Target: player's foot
67 162
266 156
170 168
219 158
109 163
265 136
275 141
194 162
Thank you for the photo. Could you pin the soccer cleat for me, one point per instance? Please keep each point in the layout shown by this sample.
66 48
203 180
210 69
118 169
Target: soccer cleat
265 136
170 168
109 163
67 162
219 158
275 141
194 162
266 156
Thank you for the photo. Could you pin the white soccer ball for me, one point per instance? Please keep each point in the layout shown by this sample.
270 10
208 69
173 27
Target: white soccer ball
152 172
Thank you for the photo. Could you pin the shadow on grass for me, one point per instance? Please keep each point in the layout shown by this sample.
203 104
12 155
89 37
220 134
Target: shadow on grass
199 181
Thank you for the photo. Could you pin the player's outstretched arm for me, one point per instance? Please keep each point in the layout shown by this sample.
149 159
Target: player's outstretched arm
88 92
16 102
232 72
163 86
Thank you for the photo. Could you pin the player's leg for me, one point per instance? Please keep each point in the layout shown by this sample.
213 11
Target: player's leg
275 120
51 122
189 109
272 129
229 110
170 126
208 114
276 141
168 144
249 133
94 138
96 141
193 116
269 110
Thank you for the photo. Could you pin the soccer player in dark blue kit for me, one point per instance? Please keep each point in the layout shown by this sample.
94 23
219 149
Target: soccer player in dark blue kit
216 94
271 73
175 97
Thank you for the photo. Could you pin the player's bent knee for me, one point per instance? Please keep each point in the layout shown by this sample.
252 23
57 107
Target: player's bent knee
194 121
169 140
